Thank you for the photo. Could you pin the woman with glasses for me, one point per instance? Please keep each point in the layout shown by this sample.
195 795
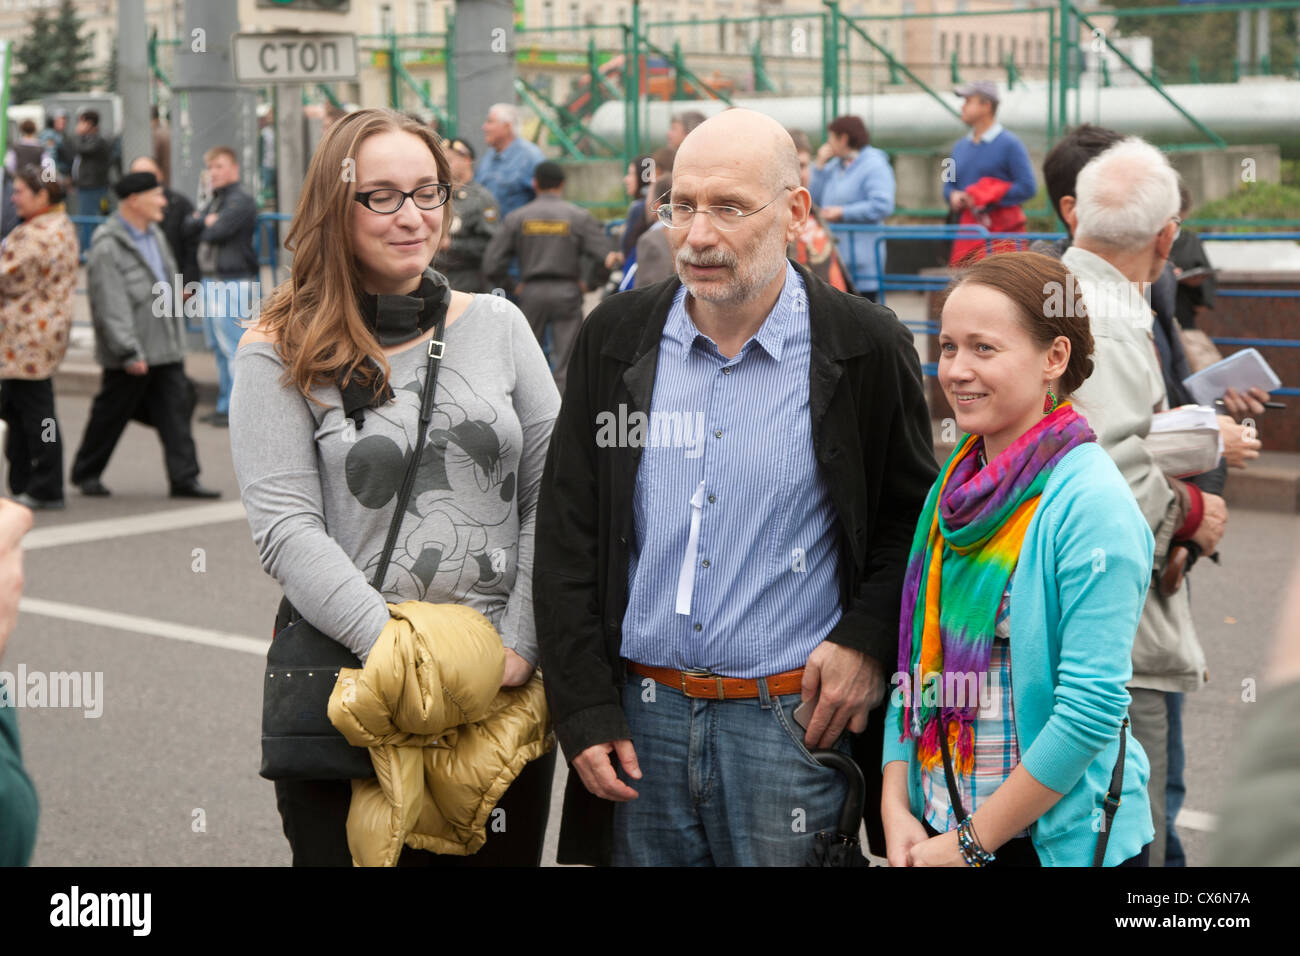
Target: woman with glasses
852 183
323 421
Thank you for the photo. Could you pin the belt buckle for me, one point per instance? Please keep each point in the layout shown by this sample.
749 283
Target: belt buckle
705 673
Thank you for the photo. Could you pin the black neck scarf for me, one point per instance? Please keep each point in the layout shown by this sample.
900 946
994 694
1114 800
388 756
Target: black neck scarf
393 319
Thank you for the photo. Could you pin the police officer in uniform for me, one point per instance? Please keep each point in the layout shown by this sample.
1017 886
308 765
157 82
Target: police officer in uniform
474 222
562 251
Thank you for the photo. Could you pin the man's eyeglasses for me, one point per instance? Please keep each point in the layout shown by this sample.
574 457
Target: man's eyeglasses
388 201
725 218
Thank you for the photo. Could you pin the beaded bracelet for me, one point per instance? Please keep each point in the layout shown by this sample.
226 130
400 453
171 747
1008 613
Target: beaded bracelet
971 851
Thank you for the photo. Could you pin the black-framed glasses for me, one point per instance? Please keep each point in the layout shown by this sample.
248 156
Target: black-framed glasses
387 201
725 218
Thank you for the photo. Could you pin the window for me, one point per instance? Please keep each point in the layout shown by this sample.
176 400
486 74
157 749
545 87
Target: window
422 16
987 44
385 18
548 13
574 17
1001 52
722 36
970 57
943 47
695 31
1040 53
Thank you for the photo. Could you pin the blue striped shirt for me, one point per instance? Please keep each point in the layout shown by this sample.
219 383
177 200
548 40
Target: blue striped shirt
764 582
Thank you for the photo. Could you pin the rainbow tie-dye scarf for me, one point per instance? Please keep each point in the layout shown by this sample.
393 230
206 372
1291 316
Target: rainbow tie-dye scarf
965 548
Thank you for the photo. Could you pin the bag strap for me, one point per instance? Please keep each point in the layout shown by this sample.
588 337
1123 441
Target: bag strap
954 797
1112 797
436 349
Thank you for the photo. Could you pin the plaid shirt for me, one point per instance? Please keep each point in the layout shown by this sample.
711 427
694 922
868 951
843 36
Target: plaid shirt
996 749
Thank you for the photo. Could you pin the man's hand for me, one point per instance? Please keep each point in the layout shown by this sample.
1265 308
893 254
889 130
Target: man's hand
517 672
613 260
1239 406
846 685
1239 443
833 213
138 367
958 200
1213 521
597 771
210 218
15 521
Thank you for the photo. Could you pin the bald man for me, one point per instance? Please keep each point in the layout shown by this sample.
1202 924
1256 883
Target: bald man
723 529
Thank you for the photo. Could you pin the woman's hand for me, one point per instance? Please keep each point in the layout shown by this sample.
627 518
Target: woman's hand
941 850
824 153
518 670
832 213
902 832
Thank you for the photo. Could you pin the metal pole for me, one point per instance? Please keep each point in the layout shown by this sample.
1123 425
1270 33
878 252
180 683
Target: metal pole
133 81
1243 38
291 163
1261 40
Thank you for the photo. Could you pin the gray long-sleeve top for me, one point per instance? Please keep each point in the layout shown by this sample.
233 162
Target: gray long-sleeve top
320 493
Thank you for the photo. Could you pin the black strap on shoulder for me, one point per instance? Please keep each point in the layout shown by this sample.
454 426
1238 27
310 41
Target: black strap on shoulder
954 797
1112 797
436 348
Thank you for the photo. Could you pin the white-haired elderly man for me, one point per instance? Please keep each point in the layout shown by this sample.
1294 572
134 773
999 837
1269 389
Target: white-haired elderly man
1124 222
506 168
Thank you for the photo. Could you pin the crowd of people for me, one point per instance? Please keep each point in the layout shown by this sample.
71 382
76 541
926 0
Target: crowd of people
439 455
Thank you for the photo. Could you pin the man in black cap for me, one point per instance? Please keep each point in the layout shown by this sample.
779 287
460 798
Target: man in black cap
139 340
562 250
474 222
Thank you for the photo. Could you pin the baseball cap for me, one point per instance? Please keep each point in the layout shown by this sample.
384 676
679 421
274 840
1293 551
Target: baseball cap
985 88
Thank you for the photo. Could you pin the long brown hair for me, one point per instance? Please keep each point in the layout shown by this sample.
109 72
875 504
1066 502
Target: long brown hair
313 315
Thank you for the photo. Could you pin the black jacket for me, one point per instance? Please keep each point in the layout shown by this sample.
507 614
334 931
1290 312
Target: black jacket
873 442
185 246
232 233
95 152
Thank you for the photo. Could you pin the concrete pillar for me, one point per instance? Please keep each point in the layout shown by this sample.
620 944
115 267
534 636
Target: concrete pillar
210 108
485 63
133 81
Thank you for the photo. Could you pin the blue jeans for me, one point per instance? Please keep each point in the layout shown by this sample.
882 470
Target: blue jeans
226 303
89 202
723 782
1175 789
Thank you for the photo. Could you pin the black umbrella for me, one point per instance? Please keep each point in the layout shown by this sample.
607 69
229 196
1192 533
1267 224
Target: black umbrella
841 848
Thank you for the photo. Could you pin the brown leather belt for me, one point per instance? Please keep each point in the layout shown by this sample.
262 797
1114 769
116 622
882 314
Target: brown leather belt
714 687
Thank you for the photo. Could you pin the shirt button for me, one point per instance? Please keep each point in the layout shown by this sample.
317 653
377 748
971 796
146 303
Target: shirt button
699 627
713 499
726 370
704 563
718 433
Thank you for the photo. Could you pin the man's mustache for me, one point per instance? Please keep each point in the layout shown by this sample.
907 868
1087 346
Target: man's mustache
706 258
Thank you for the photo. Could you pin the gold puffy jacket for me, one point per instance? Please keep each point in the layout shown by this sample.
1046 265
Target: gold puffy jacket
445 738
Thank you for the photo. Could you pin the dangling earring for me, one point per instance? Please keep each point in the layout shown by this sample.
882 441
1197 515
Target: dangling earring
1049 402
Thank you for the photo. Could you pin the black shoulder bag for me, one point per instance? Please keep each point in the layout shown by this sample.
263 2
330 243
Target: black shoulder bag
1111 803
302 664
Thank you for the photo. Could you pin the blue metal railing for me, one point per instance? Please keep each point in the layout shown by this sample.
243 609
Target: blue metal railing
903 282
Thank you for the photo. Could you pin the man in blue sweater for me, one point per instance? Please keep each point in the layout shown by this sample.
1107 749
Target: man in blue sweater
990 175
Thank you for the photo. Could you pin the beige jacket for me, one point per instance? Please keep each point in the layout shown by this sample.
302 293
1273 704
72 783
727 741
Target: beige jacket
445 738
1125 389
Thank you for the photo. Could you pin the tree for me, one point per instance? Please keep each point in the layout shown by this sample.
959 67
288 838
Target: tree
35 55
74 51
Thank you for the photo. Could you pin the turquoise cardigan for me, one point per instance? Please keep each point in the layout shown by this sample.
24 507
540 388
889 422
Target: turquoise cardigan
1078 591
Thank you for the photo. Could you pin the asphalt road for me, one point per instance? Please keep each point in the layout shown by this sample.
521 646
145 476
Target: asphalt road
168 602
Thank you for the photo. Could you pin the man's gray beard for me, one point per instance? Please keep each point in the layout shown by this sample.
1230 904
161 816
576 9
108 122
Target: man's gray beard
749 280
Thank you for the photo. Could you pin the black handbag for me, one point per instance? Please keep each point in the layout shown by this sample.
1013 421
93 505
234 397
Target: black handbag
302 664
